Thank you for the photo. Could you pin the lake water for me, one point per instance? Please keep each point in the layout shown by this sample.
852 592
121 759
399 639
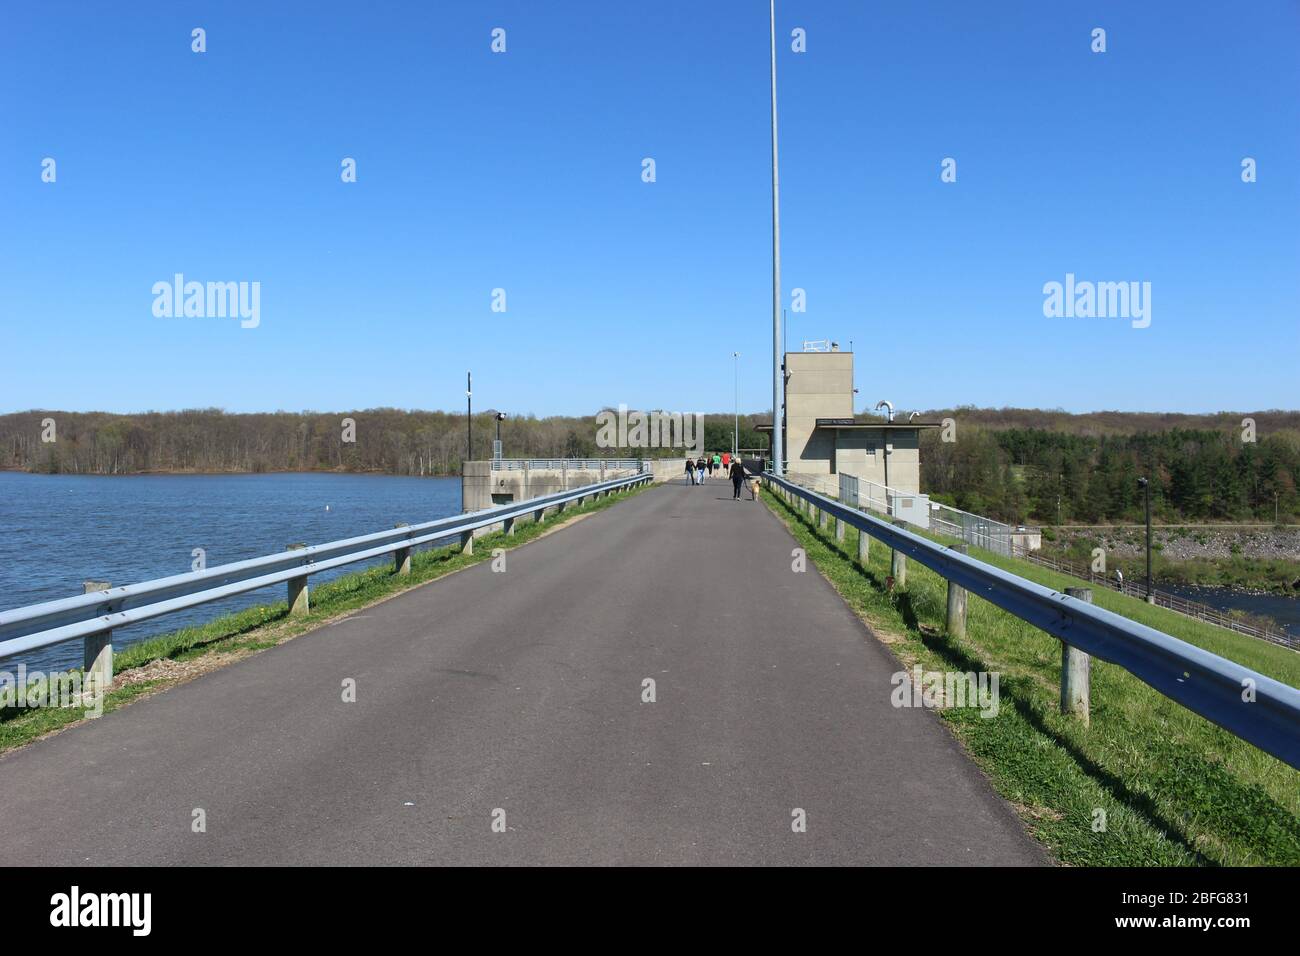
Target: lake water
57 531
1284 610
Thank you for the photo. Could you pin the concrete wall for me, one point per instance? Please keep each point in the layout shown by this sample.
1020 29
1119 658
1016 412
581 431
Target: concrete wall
481 487
861 452
818 385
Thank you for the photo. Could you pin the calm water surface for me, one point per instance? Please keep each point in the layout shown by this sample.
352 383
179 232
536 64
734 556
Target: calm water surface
1284 610
59 530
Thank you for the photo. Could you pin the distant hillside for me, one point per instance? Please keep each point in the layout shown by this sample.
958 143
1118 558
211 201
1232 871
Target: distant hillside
1114 423
1051 466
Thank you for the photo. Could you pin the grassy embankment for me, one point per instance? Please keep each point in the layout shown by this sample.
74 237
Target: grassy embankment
1175 788
237 635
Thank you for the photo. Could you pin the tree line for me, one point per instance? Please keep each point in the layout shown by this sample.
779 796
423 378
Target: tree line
1057 477
378 440
1016 465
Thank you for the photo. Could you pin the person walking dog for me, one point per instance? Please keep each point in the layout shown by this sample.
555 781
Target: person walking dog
737 479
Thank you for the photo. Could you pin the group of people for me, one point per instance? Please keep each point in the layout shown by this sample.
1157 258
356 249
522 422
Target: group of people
698 469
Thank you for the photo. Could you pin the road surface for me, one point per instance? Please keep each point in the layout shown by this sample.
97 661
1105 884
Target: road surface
516 697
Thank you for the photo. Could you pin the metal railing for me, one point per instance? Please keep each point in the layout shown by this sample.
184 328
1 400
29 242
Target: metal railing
1212 686
1172 602
569 464
1001 538
87 615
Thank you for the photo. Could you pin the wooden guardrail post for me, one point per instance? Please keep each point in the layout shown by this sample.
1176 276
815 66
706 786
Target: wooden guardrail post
1076 671
402 556
97 649
299 596
898 561
957 603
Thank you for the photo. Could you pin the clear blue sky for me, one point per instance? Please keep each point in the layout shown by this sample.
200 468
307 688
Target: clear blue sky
523 171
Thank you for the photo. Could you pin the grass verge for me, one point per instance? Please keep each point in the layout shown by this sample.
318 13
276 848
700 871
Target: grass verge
169 659
1172 788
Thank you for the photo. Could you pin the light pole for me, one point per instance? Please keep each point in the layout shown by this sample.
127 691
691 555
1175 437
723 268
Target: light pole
777 383
469 416
735 437
496 448
1146 487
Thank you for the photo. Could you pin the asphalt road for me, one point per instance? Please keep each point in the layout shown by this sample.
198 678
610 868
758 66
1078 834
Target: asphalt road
522 692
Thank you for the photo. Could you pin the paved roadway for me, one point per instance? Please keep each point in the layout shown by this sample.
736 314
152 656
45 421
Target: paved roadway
522 691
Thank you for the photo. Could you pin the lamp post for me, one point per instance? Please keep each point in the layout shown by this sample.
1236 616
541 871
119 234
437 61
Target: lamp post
735 436
1146 487
469 416
496 447
777 371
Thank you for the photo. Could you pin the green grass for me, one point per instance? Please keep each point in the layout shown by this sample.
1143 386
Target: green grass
264 626
1175 788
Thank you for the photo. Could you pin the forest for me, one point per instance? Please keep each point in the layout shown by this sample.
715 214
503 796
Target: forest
378 440
1017 465
1088 475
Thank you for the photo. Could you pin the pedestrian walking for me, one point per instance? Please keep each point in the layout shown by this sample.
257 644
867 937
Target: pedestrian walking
708 463
699 468
690 469
737 479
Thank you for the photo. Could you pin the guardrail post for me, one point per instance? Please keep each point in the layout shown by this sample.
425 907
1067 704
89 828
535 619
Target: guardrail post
864 547
509 527
957 603
823 518
402 556
299 596
1076 671
839 529
898 561
97 649
467 542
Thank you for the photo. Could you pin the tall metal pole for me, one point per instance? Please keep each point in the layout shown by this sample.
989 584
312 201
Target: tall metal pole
469 416
777 358
735 436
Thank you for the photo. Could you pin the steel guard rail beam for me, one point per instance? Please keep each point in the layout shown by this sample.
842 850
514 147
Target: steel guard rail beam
1209 685
40 625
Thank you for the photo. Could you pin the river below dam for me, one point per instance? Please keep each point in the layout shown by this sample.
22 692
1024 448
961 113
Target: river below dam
1282 609
57 531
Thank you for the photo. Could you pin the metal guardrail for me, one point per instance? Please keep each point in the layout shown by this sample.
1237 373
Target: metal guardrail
1205 683
40 625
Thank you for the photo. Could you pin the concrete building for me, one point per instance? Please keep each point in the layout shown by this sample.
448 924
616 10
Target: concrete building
823 437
